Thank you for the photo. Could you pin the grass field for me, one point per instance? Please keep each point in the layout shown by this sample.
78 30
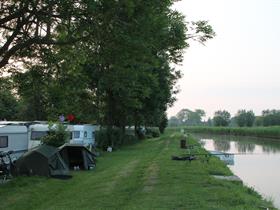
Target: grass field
140 176
266 132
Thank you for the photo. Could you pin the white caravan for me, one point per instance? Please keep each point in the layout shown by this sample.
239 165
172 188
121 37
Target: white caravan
83 134
36 132
13 137
79 134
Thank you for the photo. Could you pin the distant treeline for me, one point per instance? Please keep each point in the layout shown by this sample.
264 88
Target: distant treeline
222 118
266 132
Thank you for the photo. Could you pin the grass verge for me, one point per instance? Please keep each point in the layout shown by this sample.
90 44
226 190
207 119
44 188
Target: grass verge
140 176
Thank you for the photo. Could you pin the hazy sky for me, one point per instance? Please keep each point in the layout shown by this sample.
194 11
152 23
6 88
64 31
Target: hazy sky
240 67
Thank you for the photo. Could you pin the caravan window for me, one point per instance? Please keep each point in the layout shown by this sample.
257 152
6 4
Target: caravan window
36 135
85 134
76 135
3 141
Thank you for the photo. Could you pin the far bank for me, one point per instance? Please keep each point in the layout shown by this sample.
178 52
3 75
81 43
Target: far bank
266 132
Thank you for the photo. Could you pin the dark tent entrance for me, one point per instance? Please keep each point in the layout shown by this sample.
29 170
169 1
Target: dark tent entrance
77 156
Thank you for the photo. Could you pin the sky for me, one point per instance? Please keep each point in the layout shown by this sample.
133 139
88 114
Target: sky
240 67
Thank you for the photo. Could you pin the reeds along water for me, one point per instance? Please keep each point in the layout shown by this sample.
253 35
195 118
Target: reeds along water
266 132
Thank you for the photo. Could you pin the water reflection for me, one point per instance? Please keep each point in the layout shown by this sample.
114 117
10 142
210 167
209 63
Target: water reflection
244 147
241 144
269 149
222 146
257 163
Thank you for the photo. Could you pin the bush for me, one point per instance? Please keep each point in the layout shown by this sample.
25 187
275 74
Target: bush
57 135
114 139
152 132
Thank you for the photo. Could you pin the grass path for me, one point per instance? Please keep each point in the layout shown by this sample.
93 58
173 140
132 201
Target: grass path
141 176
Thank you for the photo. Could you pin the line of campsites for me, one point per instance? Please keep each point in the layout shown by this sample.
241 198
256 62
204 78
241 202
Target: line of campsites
32 158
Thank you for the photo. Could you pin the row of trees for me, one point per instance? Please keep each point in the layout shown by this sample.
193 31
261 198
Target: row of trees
105 61
243 118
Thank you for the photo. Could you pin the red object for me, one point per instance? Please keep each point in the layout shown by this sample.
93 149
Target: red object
70 117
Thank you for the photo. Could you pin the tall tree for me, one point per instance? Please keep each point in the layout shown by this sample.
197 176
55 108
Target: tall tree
245 118
32 87
221 118
123 70
8 102
188 117
271 117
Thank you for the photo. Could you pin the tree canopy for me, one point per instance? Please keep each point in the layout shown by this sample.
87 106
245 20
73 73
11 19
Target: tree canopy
105 61
221 118
245 118
188 117
29 26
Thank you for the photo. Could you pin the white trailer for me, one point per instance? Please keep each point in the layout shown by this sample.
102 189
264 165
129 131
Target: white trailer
35 133
83 134
79 134
13 137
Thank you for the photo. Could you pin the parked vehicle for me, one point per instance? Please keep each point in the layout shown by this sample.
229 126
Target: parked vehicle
20 136
79 134
83 134
35 133
13 137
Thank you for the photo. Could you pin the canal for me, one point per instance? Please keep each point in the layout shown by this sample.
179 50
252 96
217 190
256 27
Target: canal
257 162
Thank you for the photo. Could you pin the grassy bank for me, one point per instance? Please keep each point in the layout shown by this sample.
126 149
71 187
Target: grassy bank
266 132
140 176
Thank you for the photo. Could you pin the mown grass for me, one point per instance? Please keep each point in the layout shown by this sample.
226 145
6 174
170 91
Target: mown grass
140 176
266 132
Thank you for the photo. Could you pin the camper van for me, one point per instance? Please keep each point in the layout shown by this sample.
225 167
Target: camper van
35 133
82 134
13 137
79 134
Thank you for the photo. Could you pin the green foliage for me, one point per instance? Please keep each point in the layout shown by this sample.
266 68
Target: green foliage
173 121
258 121
188 117
163 123
118 71
271 117
245 118
28 28
9 105
221 118
152 132
113 138
266 132
57 135
32 87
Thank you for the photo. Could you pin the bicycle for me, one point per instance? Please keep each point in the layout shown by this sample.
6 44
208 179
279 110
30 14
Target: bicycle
6 165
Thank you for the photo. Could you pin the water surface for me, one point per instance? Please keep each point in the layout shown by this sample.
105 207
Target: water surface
257 162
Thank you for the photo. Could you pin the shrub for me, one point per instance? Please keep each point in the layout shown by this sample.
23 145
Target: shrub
57 135
152 132
115 138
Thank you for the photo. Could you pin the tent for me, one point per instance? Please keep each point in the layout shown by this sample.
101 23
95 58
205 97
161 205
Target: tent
42 161
77 156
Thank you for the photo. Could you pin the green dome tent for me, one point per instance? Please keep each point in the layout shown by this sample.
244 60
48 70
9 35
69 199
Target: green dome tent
42 161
